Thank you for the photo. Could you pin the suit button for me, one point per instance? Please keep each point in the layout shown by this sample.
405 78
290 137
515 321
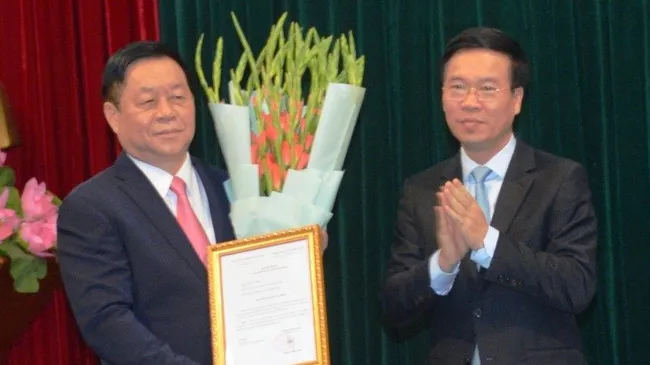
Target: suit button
501 278
477 312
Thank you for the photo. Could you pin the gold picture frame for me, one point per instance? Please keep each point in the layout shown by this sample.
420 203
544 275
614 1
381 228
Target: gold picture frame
247 302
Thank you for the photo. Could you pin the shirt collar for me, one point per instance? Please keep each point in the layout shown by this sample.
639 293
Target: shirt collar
498 164
161 179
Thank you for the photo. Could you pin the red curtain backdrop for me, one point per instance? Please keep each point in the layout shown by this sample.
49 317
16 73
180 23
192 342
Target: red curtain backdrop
51 58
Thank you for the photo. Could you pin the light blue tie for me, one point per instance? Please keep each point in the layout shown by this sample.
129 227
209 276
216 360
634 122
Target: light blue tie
479 174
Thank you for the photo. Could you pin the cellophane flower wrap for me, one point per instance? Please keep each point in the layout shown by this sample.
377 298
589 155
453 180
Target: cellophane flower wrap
284 150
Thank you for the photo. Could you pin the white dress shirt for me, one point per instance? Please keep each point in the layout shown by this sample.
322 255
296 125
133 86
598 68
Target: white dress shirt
442 282
162 181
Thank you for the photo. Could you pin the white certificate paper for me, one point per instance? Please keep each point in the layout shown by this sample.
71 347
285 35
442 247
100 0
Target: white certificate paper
267 298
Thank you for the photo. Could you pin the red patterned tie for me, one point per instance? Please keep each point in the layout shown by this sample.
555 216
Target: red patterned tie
188 220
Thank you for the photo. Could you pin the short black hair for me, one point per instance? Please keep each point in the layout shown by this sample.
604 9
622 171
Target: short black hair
494 40
118 64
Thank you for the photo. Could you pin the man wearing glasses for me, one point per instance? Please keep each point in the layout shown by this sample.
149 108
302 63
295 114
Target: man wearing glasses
495 248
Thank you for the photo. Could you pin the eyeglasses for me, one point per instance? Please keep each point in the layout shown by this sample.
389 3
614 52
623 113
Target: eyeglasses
459 92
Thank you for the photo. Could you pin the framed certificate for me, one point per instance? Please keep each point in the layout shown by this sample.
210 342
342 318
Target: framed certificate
267 300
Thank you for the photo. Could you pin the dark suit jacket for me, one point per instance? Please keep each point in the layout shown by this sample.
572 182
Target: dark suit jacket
137 288
520 310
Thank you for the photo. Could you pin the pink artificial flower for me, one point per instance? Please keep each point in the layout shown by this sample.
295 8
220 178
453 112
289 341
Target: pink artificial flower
36 201
9 220
3 158
40 235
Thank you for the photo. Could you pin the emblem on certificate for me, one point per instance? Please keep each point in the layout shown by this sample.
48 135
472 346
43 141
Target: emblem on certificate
267 300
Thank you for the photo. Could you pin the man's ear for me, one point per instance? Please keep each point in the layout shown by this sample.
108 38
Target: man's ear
110 113
519 98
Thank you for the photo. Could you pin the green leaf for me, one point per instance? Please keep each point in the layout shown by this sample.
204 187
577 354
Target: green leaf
25 269
247 50
27 272
7 176
12 249
216 70
199 69
3 251
241 67
14 200
56 200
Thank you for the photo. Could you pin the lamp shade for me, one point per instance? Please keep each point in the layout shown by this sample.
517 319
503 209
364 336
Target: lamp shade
8 132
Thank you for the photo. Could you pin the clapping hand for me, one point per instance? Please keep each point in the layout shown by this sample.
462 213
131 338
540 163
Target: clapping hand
465 214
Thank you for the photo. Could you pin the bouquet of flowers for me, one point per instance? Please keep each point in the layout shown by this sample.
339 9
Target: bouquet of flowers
284 150
27 228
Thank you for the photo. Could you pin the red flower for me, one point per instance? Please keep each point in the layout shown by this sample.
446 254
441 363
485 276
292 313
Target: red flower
266 118
276 176
303 124
271 133
254 148
268 159
301 156
274 105
302 162
285 124
299 106
294 144
308 141
286 153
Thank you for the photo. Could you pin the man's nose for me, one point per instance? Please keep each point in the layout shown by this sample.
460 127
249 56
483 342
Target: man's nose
471 100
164 109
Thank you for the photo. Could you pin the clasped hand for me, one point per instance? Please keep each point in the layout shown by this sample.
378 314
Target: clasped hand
461 225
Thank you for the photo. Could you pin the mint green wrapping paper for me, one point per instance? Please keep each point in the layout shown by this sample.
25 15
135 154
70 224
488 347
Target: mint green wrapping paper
308 195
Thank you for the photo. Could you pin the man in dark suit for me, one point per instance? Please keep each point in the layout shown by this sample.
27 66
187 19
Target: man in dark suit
495 248
134 276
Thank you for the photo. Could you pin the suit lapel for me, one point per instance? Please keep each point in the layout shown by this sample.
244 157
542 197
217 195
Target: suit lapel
515 187
139 189
453 170
223 230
